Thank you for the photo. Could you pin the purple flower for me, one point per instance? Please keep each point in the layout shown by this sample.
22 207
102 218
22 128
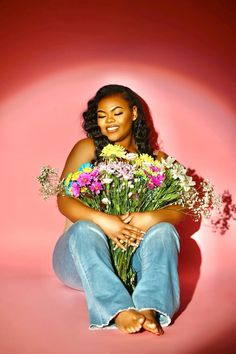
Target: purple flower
157 180
154 168
161 179
84 179
96 187
75 189
94 173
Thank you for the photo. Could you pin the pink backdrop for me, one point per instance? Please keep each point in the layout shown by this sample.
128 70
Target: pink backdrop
180 57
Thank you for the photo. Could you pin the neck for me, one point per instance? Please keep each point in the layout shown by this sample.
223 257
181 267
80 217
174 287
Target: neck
128 144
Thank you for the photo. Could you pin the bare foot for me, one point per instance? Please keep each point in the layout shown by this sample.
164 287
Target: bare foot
129 321
151 324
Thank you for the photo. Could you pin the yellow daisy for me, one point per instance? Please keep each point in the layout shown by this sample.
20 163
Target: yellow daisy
68 178
144 158
75 175
157 163
111 151
87 169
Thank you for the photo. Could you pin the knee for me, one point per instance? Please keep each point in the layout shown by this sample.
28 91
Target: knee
166 228
84 234
83 227
165 233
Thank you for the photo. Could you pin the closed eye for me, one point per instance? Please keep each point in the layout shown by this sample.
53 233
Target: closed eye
115 114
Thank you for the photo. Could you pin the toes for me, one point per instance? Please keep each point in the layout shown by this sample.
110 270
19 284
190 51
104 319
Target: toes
160 330
134 329
129 321
141 320
137 328
131 330
151 325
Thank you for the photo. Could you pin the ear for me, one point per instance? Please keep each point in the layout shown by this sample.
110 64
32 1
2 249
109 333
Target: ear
135 112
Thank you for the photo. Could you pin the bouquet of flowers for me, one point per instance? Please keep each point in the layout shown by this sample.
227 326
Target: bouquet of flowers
124 182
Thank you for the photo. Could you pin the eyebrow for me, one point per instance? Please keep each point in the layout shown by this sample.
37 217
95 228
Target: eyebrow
100 110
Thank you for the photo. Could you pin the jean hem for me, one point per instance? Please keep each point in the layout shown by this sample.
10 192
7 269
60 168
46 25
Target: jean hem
94 326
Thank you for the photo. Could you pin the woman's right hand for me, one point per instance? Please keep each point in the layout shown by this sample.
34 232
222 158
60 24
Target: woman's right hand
118 231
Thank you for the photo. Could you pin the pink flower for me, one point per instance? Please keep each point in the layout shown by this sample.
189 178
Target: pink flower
75 189
157 180
151 185
154 168
84 179
96 187
94 173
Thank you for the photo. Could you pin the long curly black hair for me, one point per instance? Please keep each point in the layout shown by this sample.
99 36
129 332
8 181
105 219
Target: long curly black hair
144 132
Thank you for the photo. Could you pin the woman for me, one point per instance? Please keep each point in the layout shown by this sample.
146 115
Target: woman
81 256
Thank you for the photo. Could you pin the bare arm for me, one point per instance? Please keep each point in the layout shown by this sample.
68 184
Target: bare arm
174 214
83 151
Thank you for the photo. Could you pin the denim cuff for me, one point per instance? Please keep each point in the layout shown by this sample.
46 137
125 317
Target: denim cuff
107 325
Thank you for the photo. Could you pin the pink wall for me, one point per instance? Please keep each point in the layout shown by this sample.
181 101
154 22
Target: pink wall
178 55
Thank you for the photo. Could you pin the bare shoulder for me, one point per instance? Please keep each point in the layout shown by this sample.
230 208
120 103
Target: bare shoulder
160 154
83 151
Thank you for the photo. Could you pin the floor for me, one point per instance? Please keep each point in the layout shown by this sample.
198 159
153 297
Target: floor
39 315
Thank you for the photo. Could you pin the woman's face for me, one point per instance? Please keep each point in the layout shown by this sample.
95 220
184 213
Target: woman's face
114 117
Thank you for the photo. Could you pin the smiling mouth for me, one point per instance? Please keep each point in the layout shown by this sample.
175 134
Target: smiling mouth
112 129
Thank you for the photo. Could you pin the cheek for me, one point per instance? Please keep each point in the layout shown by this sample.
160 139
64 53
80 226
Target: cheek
128 122
100 125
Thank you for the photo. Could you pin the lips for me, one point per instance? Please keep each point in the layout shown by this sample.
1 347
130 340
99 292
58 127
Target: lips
112 128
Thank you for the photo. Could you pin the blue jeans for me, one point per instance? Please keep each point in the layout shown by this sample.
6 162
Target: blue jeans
81 260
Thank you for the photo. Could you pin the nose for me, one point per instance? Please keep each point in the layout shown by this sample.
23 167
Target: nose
110 118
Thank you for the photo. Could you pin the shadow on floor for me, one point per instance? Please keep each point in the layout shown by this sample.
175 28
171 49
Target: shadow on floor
189 263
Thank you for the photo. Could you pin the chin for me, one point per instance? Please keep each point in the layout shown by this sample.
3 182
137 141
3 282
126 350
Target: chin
113 138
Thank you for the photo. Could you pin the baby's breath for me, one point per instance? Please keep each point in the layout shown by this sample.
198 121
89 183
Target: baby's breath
50 184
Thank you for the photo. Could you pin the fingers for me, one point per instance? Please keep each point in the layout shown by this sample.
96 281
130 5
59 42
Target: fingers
131 242
137 243
119 244
124 217
131 233
127 235
125 242
134 229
